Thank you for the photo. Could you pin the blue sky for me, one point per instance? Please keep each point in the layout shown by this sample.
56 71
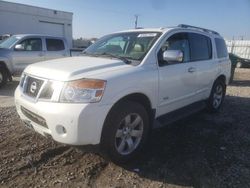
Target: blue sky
94 18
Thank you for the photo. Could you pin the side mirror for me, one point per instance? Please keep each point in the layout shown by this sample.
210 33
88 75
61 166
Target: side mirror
19 47
173 56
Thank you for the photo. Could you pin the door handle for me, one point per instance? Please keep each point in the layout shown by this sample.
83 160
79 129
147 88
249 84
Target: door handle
191 69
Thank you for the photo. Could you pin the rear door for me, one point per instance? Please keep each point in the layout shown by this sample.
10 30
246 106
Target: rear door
55 48
223 61
30 51
201 56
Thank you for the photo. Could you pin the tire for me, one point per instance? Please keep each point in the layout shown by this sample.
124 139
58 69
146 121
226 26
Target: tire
217 96
3 77
239 65
125 132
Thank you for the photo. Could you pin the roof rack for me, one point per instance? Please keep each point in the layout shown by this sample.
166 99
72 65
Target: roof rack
199 28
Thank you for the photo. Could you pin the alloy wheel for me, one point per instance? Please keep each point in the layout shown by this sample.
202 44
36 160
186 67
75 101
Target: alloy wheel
218 95
129 134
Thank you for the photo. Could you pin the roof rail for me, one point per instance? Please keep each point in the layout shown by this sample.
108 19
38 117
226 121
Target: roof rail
199 28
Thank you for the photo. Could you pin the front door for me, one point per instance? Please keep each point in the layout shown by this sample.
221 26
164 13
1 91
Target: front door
29 51
177 80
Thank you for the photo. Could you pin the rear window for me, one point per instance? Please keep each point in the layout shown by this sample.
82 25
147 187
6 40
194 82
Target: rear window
200 47
54 45
221 48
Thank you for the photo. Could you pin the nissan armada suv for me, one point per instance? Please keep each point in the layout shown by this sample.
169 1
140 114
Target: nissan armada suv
125 85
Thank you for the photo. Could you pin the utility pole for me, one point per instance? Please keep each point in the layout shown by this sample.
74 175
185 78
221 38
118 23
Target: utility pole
136 20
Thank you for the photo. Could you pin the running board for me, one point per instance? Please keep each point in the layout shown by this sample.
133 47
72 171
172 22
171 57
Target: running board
176 115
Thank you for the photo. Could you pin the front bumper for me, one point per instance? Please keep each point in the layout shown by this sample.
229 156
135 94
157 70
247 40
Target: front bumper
74 124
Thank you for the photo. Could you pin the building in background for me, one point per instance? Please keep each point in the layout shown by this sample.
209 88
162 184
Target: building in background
25 19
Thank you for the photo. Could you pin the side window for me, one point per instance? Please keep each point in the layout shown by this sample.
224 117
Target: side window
221 48
32 44
200 47
54 45
178 41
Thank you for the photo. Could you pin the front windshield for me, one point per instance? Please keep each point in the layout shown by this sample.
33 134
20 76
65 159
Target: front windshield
132 45
9 42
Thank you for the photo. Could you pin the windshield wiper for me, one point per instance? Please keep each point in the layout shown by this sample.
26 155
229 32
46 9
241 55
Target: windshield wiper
124 59
88 54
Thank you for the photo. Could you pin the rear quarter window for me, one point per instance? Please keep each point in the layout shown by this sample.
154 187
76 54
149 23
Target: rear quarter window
221 48
200 47
55 44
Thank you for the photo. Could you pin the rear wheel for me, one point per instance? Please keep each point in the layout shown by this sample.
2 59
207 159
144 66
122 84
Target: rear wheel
3 76
125 131
217 96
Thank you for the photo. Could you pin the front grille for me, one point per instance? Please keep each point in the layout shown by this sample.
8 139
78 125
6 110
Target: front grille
34 117
33 86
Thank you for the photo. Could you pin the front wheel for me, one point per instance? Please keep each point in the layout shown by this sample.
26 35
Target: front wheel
125 131
216 96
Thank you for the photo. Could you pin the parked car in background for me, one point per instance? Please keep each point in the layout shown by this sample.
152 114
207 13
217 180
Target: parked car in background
234 60
237 62
125 85
3 37
241 50
243 63
19 51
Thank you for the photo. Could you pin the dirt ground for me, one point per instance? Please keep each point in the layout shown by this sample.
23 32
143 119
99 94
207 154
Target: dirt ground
205 150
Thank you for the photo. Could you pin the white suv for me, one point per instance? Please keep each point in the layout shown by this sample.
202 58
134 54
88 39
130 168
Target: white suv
123 86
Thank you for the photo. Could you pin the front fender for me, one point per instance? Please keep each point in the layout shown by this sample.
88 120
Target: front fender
114 98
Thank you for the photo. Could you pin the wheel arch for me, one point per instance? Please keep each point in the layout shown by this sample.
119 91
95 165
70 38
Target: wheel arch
134 97
3 65
221 77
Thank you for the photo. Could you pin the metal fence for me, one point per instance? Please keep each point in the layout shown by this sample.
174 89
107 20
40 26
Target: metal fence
239 47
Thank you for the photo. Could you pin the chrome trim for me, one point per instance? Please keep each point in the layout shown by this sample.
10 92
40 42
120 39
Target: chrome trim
25 86
41 89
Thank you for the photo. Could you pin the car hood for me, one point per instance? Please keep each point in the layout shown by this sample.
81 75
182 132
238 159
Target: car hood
73 68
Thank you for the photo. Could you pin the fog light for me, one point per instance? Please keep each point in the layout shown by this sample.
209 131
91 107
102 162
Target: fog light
61 130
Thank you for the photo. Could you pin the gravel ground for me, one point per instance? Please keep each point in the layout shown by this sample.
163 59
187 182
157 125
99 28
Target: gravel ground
205 150
7 93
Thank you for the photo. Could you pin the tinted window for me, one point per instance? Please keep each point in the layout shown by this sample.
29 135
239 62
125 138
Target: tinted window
200 47
32 44
221 48
54 45
177 41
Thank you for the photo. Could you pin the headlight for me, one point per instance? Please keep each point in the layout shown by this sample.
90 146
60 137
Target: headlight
83 91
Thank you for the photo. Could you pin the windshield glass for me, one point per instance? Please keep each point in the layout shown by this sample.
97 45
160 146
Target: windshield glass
9 42
132 45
